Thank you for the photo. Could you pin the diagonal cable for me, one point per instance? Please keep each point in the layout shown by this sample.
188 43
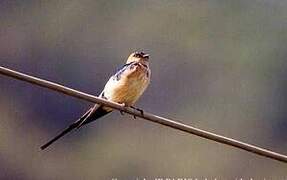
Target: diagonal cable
147 116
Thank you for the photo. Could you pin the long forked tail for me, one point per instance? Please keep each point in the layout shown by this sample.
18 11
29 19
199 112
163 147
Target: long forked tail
68 129
91 115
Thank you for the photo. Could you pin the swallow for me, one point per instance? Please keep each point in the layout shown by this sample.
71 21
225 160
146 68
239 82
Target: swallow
125 87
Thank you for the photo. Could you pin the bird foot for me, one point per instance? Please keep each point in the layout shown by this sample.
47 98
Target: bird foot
122 112
135 108
138 109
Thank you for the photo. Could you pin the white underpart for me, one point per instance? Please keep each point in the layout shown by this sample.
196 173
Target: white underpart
128 88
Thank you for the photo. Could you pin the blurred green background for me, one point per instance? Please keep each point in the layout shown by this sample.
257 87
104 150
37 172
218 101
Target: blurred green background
217 65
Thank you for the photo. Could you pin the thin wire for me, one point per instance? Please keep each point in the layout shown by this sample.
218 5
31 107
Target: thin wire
146 116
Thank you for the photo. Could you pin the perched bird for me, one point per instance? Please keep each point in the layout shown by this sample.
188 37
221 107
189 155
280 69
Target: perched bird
124 87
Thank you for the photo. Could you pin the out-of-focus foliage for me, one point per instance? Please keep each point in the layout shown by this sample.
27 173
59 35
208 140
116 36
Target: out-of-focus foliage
218 65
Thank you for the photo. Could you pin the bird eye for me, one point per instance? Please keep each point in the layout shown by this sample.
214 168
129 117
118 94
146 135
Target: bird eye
137 55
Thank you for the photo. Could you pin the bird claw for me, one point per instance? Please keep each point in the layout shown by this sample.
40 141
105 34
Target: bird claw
138 109
135 108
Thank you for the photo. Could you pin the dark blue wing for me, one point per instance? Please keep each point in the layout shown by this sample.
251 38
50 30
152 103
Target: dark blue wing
120 71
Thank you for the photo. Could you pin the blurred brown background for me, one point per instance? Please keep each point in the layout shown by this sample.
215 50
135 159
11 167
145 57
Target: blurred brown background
217 65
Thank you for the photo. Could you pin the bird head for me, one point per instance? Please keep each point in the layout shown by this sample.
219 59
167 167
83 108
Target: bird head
139 57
